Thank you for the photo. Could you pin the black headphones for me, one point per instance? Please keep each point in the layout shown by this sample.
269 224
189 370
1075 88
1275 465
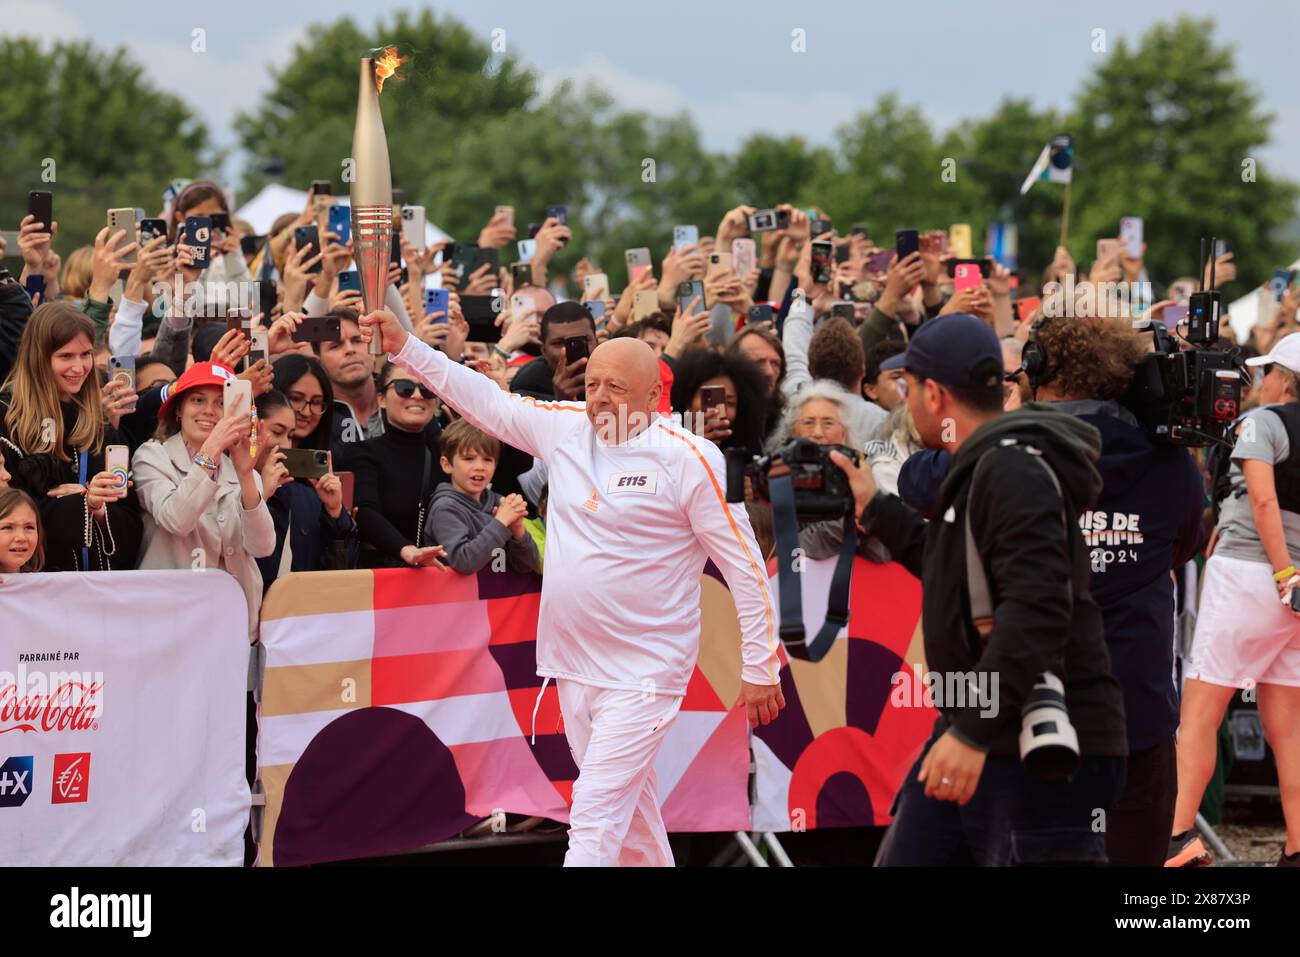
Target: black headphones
1034 361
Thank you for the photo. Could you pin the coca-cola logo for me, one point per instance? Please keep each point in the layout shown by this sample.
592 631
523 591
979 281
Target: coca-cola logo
72 705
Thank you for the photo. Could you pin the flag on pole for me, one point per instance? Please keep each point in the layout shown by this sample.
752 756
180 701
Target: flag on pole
1055 164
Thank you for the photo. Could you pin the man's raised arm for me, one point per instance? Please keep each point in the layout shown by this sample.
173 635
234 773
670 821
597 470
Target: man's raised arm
524 423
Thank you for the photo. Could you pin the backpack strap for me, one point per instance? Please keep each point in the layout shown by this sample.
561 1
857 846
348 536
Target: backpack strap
977 582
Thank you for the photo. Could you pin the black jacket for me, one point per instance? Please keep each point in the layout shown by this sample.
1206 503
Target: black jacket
115 545
1044 616
15 307
316 541
535 378
389 469
1147 520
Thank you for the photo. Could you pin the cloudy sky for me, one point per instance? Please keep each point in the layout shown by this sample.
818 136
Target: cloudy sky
728 64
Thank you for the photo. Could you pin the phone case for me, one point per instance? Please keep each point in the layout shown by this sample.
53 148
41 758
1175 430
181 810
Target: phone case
685 236
318 329
966 276
117 459
646 303
40 203
1130 234
198 234
306 463
340 223
413 226
436 300
596 286
238 397
744 256
959 243
713 396
122 369
124 219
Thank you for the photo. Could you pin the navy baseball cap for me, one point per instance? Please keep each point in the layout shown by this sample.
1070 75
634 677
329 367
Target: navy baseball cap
950 349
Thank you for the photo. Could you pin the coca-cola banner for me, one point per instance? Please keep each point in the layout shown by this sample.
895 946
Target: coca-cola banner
122 710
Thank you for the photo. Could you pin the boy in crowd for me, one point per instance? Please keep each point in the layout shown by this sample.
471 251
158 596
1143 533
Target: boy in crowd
472 522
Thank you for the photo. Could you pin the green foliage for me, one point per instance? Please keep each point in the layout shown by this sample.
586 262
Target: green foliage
1162 131
113 138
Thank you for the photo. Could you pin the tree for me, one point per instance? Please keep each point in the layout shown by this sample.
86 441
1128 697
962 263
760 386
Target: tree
451 89
87 126
1162 131
995 154
770 170
888 173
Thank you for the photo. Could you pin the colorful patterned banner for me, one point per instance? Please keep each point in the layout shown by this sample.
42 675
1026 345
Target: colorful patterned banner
397 710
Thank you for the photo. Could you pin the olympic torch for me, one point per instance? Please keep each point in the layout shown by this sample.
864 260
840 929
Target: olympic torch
372 191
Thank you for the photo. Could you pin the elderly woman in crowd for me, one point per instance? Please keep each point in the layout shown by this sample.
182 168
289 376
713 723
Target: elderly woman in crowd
823 411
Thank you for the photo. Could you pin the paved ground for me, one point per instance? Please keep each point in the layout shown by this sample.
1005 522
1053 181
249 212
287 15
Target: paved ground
1254 831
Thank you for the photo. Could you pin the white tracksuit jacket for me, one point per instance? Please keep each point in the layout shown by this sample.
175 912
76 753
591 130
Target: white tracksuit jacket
628 528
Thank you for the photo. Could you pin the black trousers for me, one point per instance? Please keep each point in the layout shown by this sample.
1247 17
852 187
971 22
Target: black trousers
1140 821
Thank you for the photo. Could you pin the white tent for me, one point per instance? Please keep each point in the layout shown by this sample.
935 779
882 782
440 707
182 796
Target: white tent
1256 306
261 211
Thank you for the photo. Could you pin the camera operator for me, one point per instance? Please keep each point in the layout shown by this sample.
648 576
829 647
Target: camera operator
1247 634
1147 521
1017 485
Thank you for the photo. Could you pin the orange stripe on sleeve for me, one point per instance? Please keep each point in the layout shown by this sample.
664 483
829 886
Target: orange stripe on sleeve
735 530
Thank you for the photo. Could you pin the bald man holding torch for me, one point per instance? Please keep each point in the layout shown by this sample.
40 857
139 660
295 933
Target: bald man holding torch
636 505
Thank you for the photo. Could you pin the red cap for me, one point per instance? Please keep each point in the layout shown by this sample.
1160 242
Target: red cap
199 374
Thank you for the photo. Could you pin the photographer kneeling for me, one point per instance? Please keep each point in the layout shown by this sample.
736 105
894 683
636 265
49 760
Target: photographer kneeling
1147 521
1018 610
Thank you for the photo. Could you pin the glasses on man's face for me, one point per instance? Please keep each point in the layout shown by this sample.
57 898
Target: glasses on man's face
405 388
300 403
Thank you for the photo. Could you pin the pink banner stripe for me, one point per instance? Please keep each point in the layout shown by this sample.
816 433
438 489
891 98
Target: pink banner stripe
417 629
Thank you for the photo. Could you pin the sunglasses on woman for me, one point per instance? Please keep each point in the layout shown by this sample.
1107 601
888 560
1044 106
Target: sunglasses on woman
405 388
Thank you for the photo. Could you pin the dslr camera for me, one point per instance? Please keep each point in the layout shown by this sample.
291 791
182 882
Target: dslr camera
821 489
818 490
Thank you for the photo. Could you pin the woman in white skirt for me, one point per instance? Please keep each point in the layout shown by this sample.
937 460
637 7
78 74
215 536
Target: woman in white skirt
1247 636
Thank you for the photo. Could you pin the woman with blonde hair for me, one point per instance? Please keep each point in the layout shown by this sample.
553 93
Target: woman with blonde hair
77 272
55 430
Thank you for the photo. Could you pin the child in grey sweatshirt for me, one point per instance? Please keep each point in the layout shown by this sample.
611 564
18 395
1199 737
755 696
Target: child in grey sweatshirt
477 526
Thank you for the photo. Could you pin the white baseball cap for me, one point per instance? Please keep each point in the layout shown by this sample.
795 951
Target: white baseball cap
1286 352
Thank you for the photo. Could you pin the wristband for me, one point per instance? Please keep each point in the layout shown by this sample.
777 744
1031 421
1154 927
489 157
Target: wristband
501 352
1284 574
204 461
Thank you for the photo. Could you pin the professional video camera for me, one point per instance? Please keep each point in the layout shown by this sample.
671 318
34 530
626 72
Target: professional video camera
1189 397
809 488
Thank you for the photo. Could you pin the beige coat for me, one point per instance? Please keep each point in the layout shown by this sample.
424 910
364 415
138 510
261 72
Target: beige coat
190 521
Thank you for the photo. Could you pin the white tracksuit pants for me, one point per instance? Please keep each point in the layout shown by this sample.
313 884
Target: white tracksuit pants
614 737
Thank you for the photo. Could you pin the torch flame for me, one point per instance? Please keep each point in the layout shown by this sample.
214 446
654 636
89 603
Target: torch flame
386 66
